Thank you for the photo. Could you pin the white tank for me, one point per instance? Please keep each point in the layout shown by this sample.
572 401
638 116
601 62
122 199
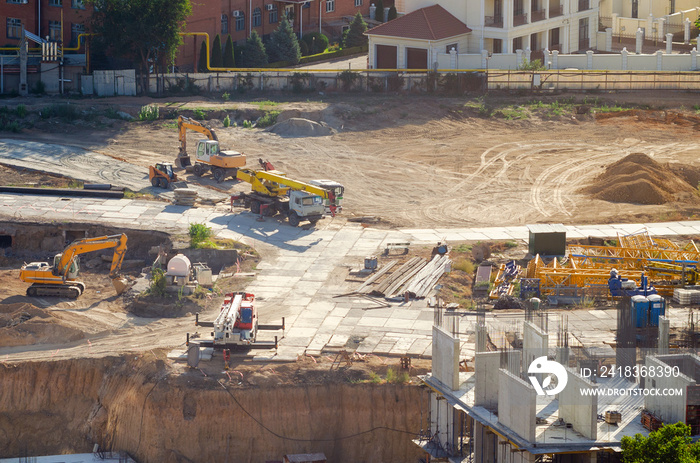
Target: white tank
179 266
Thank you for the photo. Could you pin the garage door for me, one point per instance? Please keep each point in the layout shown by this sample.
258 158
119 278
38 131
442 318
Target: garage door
416 58
386 57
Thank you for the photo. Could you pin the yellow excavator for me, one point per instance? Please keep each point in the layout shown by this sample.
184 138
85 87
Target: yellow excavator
273 192
60 280
208 155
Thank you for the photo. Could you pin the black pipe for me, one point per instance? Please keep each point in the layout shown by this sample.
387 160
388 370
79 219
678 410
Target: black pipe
61 192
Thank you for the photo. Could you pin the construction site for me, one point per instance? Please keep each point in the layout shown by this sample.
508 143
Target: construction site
347 279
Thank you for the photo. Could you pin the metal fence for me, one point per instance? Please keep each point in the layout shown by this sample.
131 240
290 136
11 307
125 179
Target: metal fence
593 80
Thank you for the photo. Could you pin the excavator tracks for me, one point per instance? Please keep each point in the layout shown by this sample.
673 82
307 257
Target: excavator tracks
71 291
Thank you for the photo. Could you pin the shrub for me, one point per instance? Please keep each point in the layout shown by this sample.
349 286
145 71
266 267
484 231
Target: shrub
392 13
535 65
216 59
158 283
283 45
374 378
62 110
348 79
354 36
379 13
301 82
39 88
229 60
391 376
315 42
199 233
199 114
227 121
148 113
225 96
268 119
465 265
202 63
254 55
21 111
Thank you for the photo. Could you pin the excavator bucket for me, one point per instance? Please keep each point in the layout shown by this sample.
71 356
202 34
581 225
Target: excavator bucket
183 162
120 284
176 185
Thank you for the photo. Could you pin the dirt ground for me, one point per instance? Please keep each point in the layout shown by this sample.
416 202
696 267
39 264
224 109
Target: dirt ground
431 161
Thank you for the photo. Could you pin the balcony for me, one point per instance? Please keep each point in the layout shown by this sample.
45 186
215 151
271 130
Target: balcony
519 19
538 15
555 46
584 5
493 21
557 10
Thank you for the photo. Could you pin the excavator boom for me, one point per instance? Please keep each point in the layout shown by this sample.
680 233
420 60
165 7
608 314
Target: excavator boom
184 123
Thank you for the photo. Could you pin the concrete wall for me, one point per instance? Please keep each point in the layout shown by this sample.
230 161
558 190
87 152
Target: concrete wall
579 410
670 409
486 366
485 444
517 402
535 343
445 358
111 83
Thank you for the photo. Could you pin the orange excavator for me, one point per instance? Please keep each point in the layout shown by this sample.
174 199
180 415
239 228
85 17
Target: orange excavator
60 279
208 155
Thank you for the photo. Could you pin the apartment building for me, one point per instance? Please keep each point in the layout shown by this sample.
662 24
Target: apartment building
59 20
504 26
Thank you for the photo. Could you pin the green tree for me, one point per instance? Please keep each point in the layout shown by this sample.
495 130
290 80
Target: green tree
354 36
229 60
283 45
254 55
146 31
670 444
202 64
392 13
379 14
217 59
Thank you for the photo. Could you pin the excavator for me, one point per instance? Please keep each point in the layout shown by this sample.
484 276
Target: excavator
208 155
273 192
61 278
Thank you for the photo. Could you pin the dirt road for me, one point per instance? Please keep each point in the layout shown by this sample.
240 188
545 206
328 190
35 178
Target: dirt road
433 162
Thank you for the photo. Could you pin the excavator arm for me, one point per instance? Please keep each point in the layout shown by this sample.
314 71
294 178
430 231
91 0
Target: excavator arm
93 244
184 123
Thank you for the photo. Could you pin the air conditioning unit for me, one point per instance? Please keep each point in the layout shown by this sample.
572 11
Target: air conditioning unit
270 7
237 14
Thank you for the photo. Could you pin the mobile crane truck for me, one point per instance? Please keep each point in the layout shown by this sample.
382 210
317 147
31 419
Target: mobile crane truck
208 155
273 192
61 278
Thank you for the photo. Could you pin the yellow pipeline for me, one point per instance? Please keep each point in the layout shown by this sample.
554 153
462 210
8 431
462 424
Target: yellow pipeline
39 48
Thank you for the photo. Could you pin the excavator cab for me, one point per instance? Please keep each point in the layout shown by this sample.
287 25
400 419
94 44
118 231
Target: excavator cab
206 149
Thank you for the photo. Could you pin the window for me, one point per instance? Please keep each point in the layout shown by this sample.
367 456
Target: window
14 28
358 2
240 21
272 16
518 43
330 6
78 4
224 24
55 30
306 5
75 31
450 47
257 17
17 1
55 2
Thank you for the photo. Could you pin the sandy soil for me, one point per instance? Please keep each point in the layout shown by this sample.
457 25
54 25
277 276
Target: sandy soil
430 162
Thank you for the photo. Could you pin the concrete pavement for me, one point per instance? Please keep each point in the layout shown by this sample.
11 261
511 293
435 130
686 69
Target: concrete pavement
301 281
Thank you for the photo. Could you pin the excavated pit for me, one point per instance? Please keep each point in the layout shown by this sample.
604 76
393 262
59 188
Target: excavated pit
162 413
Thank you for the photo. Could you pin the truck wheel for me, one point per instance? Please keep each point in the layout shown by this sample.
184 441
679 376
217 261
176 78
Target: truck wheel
198 170
219 175
255 207
163 183
155 181
294 219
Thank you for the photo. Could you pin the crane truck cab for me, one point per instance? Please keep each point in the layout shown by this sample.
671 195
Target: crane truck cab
337 190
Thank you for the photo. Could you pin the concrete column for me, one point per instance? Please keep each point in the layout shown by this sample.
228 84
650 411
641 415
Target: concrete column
555 59
528 54
484 57
669 43
546 9
545 39
547 59
659 60
694 59
528 11
664 327
563 355
608 39
508 17
624 54
589 59
650 27
616 23
453 58
435 52
518 58
686 31
593 31
480 337
639 41
564 36
23 56
660 29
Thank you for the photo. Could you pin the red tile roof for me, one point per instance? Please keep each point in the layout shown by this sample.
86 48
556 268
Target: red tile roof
430 23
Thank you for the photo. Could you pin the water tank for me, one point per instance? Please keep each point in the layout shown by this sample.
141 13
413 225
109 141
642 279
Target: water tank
179 266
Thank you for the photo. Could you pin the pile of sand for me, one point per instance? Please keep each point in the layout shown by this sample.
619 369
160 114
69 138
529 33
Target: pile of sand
23 324
638 179
299 127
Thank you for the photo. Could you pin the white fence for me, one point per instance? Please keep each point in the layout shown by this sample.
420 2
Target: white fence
623 61
109 83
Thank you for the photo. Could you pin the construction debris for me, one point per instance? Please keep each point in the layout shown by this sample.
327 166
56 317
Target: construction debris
185 196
